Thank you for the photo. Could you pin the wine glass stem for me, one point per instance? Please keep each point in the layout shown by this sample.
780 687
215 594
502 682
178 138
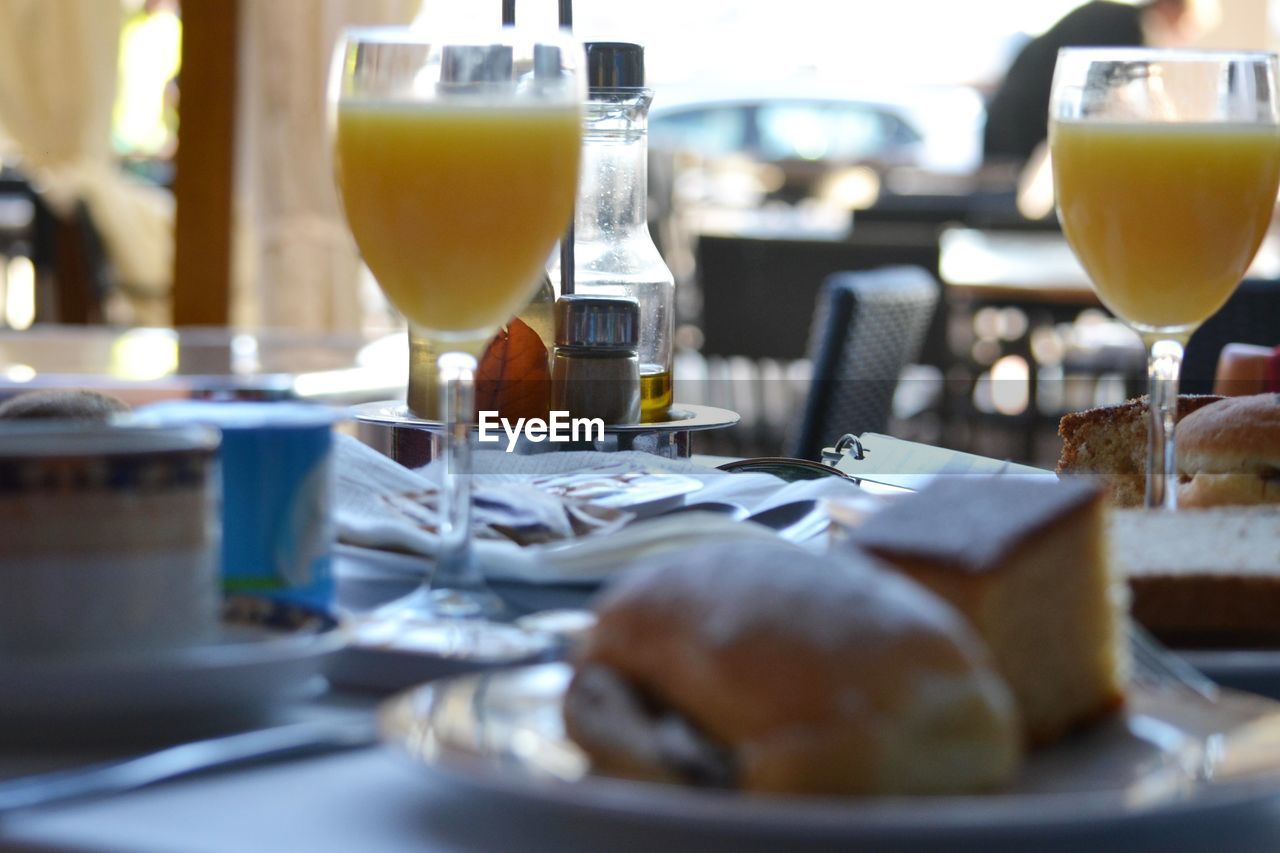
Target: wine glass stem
455 569
1164 364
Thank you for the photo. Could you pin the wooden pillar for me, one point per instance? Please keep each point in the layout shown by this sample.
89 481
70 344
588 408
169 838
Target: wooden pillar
204 174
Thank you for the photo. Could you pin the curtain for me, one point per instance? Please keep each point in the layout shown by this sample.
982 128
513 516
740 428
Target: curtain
58 61
303 267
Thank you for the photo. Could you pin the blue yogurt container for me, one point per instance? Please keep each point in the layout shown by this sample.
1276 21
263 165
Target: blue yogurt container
277 487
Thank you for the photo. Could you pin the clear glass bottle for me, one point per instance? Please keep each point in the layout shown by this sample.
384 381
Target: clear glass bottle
614 254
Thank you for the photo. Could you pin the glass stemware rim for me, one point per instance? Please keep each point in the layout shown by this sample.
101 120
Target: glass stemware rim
1169 54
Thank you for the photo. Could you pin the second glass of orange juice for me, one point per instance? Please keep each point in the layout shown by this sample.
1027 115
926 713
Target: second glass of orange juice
1166 166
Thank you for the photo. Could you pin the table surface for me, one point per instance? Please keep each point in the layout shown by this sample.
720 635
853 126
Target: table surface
1030 266
369 801
144 364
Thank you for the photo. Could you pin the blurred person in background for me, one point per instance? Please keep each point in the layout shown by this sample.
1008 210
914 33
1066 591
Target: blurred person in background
1015 147
1018 113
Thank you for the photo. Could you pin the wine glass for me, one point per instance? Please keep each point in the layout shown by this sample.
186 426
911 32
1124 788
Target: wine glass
456 157
1165 166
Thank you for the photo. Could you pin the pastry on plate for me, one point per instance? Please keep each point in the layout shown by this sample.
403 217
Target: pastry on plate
1025 560
1229 453
1110 444
1204 578
767 668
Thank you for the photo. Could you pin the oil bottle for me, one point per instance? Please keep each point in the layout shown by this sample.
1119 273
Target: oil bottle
614 254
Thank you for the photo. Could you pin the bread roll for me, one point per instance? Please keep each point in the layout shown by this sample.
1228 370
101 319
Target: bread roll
766 667
1229 453
60 404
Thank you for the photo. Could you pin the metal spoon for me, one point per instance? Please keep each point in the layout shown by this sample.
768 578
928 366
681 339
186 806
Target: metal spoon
289 741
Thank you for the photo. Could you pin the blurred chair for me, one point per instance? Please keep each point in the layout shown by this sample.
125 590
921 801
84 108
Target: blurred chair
17 218
739 276
73 274
1251 316
867 327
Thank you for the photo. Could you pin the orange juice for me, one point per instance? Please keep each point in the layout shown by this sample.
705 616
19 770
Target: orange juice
1165 218
455 208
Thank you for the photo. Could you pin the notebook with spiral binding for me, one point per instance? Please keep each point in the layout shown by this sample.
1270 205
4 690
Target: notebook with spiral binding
887 461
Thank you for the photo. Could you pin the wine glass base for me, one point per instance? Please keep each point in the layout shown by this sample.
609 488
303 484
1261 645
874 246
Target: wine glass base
447 603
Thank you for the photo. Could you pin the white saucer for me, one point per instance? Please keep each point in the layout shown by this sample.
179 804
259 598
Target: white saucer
266 654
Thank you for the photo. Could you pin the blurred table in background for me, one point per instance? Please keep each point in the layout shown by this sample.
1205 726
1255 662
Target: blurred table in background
1015 300
1030 338
1018 266
1037 266
145 364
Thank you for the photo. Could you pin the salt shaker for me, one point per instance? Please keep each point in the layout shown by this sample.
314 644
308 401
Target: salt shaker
595 368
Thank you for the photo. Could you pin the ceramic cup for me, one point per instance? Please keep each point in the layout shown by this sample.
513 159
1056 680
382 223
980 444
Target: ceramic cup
108 538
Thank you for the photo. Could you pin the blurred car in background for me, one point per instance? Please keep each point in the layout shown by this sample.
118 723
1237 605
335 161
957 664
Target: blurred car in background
804 138
806 142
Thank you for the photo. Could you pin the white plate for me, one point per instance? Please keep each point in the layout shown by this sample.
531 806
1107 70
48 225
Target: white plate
1165 764
265 654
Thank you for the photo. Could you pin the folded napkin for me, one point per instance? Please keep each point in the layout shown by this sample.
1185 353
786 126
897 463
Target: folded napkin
383 504
526 534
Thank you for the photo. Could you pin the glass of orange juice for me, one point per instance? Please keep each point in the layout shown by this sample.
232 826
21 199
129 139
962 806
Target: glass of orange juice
457 163
1165 166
